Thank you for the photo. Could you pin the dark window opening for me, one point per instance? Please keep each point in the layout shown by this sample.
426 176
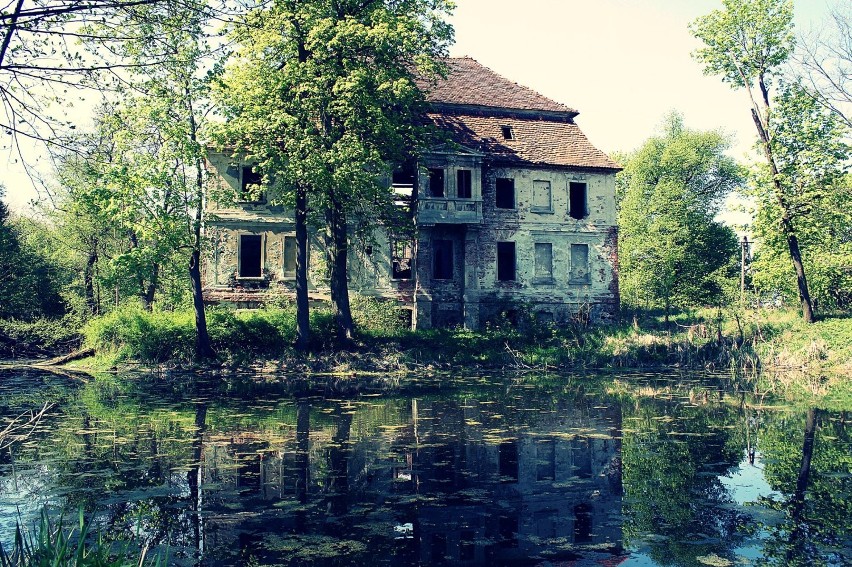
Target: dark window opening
251 187
582 523
439 548
403 178
508 461
436 182
577 197
289 260
508 132
250 255
508 528
401 257
442 259
467 547
505 194
505 261
464 187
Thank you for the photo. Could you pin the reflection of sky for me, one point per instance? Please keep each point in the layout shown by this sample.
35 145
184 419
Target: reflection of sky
22 496
746 483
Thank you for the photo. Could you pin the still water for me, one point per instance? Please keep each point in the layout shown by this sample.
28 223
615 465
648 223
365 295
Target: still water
485 470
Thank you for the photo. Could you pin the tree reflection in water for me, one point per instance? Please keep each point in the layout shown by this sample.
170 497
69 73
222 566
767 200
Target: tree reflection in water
501 470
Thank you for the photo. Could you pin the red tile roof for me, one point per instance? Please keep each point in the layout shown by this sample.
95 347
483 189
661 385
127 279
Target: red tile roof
535 142
473 104
470 83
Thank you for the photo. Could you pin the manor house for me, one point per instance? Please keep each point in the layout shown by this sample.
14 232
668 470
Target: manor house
514 213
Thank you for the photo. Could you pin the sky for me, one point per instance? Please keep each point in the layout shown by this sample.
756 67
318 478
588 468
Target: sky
623 64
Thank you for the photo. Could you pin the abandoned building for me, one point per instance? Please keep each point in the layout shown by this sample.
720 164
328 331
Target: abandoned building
516 213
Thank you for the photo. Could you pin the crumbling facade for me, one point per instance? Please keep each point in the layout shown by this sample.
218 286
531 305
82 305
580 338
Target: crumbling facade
515 214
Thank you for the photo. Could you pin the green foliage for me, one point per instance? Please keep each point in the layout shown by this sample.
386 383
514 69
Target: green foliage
52 544
811 149
31 280
671 250
746 40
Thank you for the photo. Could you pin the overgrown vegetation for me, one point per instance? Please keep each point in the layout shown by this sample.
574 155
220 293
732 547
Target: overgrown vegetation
51 543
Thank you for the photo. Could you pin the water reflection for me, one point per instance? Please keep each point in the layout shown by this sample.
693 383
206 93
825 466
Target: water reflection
495 471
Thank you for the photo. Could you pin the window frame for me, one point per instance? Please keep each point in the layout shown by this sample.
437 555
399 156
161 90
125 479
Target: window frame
541 278
514 206
243 194
537 183
585 278
467 174
406 244
585 210
450 249
434 173
501 268
260 255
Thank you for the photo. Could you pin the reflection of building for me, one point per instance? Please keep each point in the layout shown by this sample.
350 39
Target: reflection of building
516 208
452 483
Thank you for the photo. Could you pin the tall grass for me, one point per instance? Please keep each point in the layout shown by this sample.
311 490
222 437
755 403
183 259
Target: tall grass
51 544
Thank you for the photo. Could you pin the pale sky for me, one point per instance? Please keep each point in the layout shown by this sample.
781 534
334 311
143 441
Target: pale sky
623 64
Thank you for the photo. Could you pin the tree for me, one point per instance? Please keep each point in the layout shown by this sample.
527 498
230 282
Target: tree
671 250
747 43
824 61
809 144
324 96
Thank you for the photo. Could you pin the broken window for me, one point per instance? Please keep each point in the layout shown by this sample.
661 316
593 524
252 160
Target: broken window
582 523
505 193
505 261
579 264
577 200
289 256
464 186
436 182
541 196
543 260
508 132
442 259
251 185
402 252
250 255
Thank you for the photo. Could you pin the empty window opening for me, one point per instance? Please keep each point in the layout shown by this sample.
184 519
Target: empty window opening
508 461
580 264
402 253
508 528
578 200
436 182
541 196
289 256
505 193
543 260
505 261
442 259
467 546
582 523
439 548
250 255
403 178
508 132
464 186
251 185
545 459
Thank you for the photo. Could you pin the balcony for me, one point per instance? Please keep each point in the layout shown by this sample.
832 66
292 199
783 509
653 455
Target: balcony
448 210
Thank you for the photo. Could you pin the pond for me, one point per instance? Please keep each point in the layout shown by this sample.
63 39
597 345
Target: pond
467 470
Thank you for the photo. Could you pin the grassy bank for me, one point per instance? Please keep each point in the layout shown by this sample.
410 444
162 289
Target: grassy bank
744 341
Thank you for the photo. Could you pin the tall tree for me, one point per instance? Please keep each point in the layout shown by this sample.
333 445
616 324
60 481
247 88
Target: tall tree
747 43
324 95
671 250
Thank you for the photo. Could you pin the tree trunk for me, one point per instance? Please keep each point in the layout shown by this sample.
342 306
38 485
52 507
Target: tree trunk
303 322
798 534
786 221
336 249
203 349
148 296
89 279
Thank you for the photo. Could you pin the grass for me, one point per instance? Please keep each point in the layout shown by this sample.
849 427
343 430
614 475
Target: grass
52 544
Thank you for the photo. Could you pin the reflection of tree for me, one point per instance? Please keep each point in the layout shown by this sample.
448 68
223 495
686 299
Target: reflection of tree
810 463
194 478
671 468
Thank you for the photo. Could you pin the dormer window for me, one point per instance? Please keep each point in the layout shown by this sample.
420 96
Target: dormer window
508 132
